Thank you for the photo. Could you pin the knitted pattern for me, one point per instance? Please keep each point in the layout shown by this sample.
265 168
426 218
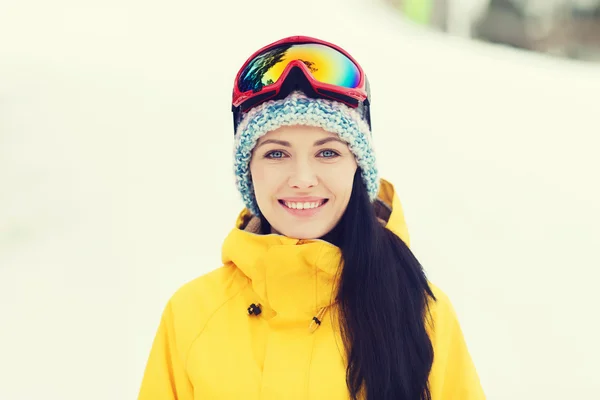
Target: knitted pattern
297 109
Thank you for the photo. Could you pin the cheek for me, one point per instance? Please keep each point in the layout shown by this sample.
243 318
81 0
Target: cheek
265 178
257 175
339 180
257 172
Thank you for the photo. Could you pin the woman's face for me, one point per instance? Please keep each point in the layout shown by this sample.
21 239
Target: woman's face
302 178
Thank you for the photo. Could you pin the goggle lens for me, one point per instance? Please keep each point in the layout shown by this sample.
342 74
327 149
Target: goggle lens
326 64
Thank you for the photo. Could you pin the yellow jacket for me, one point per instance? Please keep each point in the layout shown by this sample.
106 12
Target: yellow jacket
208 347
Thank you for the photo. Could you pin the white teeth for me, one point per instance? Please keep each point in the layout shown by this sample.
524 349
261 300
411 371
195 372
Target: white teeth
303 206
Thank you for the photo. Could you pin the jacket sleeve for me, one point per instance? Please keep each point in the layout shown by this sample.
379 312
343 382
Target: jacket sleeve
453 374
165 377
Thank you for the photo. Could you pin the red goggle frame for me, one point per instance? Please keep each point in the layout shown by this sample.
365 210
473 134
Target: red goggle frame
318 68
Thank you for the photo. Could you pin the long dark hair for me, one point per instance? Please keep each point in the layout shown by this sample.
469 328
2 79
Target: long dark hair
383 303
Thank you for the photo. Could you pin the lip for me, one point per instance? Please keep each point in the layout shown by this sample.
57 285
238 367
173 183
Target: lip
303 213
302 199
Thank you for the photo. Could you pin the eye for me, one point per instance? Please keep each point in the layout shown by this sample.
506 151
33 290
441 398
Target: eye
328 154
276 154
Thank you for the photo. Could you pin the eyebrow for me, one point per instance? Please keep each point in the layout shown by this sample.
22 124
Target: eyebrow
329 139
275 141
288 144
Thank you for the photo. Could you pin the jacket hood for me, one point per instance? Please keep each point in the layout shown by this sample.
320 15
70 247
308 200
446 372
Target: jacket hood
294 278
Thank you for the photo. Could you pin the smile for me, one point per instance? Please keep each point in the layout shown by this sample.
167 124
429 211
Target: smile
303 205
303 208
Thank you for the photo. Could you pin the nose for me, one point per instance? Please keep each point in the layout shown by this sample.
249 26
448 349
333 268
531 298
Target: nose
302 175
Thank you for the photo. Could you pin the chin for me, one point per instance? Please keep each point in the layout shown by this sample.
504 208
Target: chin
304 233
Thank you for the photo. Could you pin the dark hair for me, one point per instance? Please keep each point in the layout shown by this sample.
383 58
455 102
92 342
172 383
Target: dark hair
383 299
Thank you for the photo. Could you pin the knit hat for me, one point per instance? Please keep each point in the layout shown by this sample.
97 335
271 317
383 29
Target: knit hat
298 109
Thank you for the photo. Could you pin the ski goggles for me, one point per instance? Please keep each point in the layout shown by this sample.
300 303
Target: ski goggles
317 67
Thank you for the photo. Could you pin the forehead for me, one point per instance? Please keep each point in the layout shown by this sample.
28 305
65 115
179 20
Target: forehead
297 133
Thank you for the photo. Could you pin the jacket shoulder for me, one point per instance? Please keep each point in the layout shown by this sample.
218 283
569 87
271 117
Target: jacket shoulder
208 291
441 317
191 307
441 308
453 373
183 320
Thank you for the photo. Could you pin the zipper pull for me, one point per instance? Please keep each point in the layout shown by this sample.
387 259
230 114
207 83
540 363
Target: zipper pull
316 321
254 309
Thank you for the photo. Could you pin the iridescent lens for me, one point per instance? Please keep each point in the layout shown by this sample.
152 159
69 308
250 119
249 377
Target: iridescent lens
326 64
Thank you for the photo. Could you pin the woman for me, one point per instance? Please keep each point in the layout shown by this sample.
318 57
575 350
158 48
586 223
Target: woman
319 296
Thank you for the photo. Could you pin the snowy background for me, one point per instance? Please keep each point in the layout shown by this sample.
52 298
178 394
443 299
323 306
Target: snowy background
116 182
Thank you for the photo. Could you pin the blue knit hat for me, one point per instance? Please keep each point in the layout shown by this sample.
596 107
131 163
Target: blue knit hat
298 109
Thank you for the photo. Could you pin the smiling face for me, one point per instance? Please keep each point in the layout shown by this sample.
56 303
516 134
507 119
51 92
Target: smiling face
302 178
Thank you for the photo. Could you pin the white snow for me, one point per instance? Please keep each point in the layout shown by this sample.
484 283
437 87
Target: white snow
116 183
